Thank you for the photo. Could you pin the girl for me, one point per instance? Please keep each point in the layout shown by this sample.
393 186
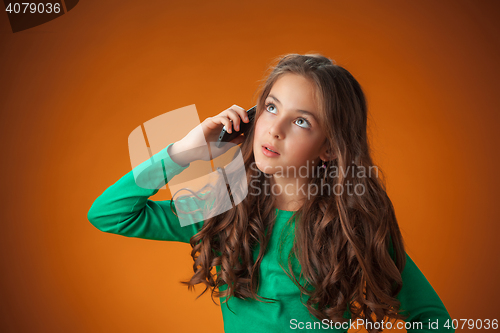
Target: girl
316 251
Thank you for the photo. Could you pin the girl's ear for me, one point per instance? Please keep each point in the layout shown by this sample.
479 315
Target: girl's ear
327 155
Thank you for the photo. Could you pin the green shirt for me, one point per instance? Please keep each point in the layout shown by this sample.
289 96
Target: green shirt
124 208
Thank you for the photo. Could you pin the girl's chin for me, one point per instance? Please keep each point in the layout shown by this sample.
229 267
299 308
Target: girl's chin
267 167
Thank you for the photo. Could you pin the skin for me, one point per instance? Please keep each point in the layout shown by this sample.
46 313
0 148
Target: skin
296 136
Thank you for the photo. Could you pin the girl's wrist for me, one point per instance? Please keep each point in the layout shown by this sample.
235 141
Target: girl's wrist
179 154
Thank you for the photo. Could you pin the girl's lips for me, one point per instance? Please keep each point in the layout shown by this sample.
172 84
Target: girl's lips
269 147
269 153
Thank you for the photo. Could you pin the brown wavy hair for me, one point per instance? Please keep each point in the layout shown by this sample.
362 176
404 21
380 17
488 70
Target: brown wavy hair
342 240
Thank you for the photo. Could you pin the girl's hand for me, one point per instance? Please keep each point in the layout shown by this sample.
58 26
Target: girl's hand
194 145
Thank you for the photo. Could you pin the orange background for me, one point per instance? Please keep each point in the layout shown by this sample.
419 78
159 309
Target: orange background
73 89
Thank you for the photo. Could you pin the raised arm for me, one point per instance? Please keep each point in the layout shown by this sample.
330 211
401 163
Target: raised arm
124 208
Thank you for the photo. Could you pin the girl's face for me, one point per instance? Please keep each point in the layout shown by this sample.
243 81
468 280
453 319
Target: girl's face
289 125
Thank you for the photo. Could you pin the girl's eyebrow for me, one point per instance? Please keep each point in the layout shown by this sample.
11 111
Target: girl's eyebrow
301 111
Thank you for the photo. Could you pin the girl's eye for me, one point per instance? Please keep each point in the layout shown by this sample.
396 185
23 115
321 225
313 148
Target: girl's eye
268 105
301 122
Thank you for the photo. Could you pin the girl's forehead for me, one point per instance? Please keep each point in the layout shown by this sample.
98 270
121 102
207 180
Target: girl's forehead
295 93
294 90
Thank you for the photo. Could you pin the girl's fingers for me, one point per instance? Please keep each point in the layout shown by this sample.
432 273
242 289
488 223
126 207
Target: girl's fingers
222 119
213 123
235 117
231 117
241 112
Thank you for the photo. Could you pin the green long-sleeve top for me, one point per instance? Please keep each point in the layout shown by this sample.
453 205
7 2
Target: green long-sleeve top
125 209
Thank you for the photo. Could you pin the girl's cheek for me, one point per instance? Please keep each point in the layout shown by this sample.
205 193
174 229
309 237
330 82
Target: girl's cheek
265 122
259 125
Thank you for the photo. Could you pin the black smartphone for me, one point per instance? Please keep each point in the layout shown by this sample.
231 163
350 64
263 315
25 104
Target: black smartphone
244 127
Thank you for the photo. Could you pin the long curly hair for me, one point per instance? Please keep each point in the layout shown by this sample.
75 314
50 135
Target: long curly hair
342 240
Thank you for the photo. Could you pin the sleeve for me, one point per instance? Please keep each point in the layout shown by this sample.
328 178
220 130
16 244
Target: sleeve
420 301
124 208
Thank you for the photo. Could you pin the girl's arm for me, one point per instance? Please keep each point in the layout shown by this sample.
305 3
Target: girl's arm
421 302
124 208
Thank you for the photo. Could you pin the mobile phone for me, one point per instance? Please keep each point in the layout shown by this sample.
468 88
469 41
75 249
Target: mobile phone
244 127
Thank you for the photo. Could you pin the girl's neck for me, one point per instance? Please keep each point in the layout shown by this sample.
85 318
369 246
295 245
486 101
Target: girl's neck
288 195
283 202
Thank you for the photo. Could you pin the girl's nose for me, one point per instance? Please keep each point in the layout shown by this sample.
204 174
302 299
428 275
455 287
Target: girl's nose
276 130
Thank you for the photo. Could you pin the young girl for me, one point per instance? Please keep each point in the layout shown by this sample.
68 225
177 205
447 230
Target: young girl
308 250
